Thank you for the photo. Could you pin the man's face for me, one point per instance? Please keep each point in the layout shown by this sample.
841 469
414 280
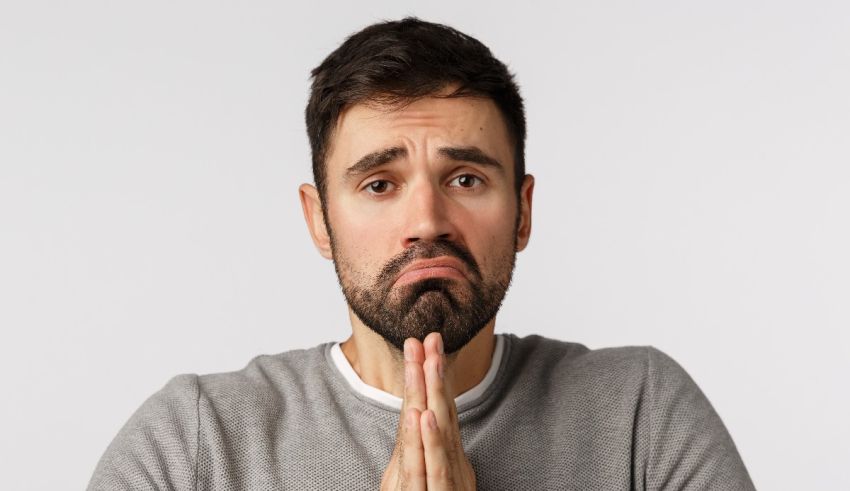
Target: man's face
423 216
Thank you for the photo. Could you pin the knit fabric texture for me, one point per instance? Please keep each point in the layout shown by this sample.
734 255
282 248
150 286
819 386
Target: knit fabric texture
557 416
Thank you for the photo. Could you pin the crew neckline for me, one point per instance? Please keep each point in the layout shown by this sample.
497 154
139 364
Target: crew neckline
377 395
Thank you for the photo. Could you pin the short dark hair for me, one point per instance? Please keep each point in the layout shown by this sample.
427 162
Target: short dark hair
400 61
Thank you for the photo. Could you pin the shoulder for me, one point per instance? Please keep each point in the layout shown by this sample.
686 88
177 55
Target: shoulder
158 446
641 395
541 353
572 371
169 412
266 379
178 396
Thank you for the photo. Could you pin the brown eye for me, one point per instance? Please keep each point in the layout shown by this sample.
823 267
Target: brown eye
466 180
378 187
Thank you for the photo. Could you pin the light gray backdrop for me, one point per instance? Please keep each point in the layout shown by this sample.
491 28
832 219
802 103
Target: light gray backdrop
692 194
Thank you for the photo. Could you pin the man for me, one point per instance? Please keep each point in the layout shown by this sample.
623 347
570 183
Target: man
422 201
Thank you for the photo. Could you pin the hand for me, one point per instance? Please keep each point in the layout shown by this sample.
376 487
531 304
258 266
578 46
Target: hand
428 452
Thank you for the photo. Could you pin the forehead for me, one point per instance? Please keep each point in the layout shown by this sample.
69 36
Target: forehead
460 121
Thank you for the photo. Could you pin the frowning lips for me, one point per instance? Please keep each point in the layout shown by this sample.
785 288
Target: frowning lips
438 267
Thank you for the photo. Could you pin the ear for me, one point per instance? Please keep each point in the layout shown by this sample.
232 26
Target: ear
312 207
524 228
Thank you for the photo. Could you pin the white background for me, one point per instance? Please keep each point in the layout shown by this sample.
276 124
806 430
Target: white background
692 193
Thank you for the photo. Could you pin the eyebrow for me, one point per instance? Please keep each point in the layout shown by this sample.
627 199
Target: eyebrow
471 154
373 160
378 158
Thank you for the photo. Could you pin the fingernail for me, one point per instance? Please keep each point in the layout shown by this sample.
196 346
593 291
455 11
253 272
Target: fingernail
408 352
432 421
440 344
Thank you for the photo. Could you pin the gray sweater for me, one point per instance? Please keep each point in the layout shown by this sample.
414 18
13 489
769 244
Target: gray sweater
556 416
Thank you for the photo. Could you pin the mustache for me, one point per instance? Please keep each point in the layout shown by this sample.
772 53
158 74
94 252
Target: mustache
427 250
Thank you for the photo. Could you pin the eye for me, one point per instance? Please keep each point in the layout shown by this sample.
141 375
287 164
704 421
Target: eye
466 181
378 187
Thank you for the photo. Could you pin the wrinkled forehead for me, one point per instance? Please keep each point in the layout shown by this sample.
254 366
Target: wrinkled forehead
463 121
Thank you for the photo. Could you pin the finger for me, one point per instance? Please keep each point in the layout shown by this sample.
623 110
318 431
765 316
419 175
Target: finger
439 398
437 465
412 458
414 378
433 344
391 479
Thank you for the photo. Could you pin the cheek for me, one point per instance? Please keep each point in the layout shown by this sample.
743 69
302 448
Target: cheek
359 239
490 236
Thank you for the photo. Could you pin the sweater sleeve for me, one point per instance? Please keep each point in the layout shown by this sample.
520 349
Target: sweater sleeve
157 448
690 447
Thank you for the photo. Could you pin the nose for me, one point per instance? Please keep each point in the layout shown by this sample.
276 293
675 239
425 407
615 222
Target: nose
427 215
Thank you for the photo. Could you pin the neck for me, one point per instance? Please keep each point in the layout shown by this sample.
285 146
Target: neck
381 365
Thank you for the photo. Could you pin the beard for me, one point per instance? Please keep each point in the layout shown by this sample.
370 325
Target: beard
457 309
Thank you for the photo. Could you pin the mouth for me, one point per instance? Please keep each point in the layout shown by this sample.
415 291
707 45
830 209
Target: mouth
440 267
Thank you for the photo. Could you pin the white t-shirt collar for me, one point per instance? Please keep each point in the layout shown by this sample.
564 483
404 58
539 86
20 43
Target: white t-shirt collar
391 400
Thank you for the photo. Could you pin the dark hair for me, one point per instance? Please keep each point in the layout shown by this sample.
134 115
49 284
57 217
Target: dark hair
399 61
